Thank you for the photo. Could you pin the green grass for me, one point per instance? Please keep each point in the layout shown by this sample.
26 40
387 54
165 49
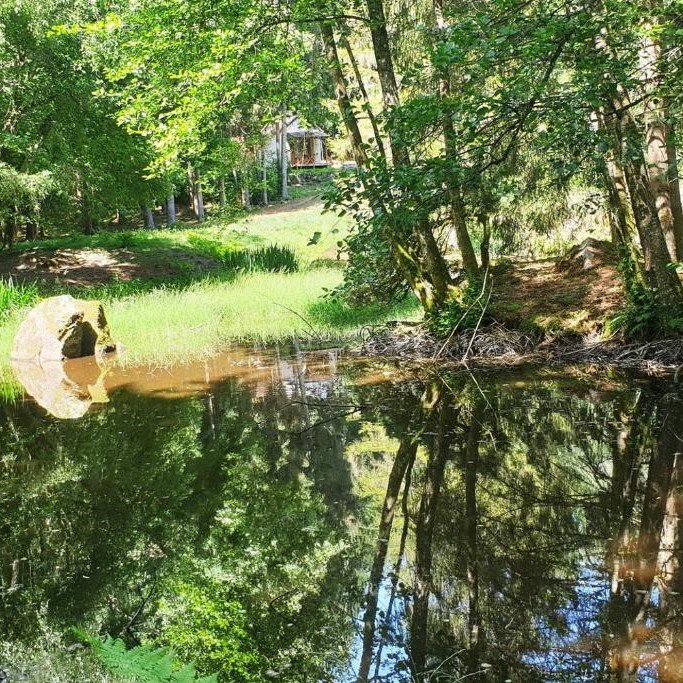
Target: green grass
272 272
166 326
14 297
313 235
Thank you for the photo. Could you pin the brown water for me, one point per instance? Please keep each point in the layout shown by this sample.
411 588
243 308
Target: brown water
304 517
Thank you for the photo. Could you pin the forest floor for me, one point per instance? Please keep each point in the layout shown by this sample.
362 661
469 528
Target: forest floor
538 295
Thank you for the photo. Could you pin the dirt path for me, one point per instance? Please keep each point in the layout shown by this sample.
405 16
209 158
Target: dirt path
290 206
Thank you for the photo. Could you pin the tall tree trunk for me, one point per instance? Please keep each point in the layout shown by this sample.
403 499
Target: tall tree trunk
485 222
265 178
659 144
192 189
31 230
246 196
341 91
436 270
149 218
404 458
284 160
195 192
675 188
170 209
385 72
471 465
657 258
222 201
458 215
424 534
344 41
199 195
406 260
10 232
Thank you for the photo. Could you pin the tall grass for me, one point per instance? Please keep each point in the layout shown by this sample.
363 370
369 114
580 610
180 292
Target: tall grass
272 258
14 296
269 290
167 326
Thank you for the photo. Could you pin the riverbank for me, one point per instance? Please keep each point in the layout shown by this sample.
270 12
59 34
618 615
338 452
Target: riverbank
497 346
174 296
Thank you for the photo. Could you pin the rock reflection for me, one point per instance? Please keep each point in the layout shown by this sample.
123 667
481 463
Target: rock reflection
65 389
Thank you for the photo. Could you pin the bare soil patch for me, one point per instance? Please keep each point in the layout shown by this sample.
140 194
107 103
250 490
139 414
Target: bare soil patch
90 266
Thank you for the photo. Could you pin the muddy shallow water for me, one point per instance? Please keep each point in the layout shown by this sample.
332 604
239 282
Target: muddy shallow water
287 516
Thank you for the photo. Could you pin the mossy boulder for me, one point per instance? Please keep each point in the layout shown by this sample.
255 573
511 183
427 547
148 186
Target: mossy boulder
63 327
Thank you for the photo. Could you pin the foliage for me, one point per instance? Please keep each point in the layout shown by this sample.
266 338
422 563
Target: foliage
203 623
644 316
143 663
465 308
47 656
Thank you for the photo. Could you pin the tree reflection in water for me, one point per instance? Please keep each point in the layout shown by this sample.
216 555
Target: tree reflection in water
545 545
437 529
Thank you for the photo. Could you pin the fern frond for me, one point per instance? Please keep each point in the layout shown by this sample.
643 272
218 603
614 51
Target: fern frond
142 664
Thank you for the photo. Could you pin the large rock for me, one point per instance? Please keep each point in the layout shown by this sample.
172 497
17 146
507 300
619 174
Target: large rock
591 253
63 327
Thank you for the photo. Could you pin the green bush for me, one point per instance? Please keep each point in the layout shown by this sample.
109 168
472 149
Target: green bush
462 310
644 315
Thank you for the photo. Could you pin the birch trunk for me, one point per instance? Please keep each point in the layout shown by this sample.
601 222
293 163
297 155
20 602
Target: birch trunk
170 208
284 161
265 179
658 142
221 193
149 218
199 197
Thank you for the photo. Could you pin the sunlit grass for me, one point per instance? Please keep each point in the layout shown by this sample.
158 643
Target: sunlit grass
167 326
194 316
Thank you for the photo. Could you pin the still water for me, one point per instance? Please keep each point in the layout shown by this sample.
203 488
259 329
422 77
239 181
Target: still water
301 517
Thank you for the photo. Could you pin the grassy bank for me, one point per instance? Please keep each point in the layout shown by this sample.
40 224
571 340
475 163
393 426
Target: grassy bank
187 294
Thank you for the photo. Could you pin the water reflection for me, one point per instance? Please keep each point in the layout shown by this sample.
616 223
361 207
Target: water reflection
65 389
281 516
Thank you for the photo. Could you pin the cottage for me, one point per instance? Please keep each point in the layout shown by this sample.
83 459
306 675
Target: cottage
306 147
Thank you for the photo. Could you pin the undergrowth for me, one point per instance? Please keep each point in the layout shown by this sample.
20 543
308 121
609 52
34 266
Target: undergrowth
464 309
644 315
142 664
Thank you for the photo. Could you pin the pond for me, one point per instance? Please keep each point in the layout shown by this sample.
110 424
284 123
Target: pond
289 516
